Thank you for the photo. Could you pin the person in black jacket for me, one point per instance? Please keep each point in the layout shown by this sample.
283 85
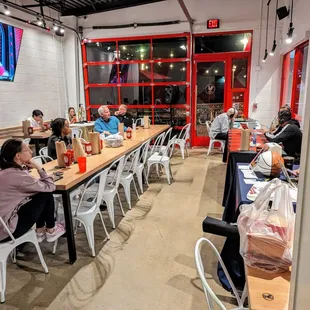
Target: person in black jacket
288 133
124 116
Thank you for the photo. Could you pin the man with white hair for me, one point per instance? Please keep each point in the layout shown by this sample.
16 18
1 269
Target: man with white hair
106 124
123 116
220 126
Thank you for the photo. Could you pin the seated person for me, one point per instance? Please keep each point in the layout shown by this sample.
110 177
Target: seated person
72 115
35 120
275 122
61 130
25 200
220 126
107 124
123 116
288 133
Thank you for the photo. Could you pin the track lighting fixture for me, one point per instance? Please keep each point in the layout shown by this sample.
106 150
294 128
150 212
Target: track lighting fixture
39 21
62 30
265 56
6 10
55 27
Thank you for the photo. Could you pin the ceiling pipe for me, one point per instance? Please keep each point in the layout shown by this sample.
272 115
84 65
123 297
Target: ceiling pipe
34 13
191 27
188 16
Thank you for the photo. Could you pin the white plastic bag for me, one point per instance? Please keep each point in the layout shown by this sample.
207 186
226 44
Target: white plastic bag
266 229
115 140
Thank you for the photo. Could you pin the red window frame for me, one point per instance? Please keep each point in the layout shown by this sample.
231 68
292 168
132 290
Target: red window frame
298 59
152 84
228 57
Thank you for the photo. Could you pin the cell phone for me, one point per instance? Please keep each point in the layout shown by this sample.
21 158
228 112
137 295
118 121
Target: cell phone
57 177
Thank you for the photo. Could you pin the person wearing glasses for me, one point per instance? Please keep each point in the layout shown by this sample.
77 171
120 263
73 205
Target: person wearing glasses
35 119
61 130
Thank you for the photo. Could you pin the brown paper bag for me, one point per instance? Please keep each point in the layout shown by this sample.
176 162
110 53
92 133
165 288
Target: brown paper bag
121 129
60 151
94 139
26 124
78 150
146 122
245 139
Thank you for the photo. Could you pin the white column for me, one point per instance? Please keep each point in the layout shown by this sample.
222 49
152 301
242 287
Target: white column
300 281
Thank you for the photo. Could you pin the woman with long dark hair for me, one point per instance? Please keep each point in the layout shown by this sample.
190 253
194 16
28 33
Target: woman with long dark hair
25 200
61 130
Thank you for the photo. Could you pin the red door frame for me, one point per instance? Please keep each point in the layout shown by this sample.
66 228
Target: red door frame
219 57
296 79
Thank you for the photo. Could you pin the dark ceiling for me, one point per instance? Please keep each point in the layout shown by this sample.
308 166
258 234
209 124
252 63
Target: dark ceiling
85 7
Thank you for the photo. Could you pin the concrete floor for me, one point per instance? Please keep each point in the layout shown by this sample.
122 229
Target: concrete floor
149 261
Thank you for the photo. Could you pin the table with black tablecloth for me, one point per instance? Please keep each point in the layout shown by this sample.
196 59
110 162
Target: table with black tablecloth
229 197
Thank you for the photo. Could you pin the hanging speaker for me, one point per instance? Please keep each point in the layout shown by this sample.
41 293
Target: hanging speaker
283 12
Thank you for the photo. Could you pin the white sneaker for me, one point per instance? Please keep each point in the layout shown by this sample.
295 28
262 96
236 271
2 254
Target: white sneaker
58 231
41 237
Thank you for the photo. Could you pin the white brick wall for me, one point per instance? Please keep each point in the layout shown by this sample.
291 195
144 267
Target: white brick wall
39 80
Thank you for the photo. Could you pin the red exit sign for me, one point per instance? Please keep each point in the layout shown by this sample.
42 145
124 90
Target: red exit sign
213 23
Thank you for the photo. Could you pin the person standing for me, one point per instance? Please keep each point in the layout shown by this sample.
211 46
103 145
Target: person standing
220 126
123 116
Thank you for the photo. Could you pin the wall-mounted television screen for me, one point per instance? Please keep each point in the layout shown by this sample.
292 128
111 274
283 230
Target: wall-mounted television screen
10 41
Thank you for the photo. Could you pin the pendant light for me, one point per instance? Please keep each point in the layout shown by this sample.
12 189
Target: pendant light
274 46
266 46
291 28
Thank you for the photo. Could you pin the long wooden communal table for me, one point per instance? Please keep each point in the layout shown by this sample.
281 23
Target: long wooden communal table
268 290
72 179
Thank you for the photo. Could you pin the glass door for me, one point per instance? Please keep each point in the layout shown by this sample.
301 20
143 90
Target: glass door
209 96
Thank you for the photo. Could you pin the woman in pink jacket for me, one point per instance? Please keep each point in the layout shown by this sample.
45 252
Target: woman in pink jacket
25 200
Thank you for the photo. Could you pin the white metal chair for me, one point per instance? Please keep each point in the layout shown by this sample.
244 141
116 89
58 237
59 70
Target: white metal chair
43 151
159 141
162 147
127 176
140 121
77 132
8 247
139 170
163 160
210 296
88 207
212 140
27 141
182 139
42 159
111 188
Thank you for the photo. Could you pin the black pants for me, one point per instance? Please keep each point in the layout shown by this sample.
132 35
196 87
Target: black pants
224 137
40 210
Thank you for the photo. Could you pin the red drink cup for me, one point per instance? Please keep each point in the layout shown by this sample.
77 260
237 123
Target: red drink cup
82 164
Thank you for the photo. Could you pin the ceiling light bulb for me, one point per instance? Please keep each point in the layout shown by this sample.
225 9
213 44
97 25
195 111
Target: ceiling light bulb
6 10
264 60
124 48
55 27
207 71
183 47
216 71
62 30
171 66
171 54
271 54
39 21
288 41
